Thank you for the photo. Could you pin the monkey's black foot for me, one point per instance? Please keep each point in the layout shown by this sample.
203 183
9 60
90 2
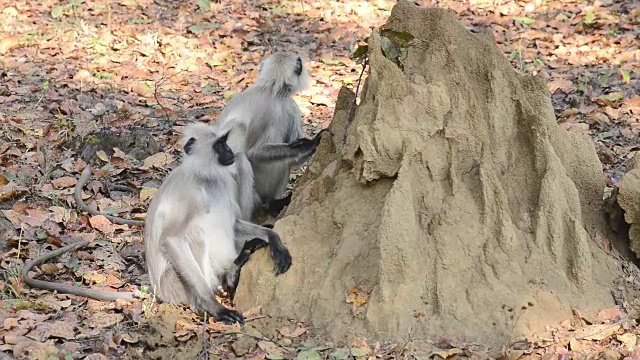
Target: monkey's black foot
276 206
228 317
282 260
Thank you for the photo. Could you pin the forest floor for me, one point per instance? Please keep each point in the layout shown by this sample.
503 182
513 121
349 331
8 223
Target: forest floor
73 72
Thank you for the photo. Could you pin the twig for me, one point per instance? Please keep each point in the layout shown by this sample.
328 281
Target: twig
77 195
257 337
63 289
204 354
617 323
156 86
117 187
255 318
351 111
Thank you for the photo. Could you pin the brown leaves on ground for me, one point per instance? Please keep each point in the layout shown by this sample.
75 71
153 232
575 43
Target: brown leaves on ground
614 336
357 298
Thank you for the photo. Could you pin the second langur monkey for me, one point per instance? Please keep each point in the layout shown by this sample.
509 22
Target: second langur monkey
194 237
274 141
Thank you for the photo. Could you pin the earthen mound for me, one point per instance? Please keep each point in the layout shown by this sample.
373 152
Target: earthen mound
456 208
624 206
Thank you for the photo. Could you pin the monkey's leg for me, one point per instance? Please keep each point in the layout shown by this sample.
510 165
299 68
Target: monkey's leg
276 205
232 277
245 230
184 263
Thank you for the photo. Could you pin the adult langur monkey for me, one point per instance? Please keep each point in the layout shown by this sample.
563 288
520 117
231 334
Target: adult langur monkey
193 231
274 136
194 240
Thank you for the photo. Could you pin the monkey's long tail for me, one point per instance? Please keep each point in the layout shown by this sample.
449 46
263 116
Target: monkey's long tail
77 195
64 289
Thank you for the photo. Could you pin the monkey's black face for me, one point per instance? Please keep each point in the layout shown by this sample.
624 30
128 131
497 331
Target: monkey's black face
298 69
224 152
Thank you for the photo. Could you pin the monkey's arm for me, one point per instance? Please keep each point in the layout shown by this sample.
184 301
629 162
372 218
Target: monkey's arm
294 152
232 276
246 231
65 289
184 263
247 196
77 195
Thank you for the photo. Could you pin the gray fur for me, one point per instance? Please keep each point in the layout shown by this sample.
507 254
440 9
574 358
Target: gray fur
273 121
194 232
189 230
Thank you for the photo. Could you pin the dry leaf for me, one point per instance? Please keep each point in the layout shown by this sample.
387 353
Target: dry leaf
82 75
94 277
158 161
569 112
610 314
102 224
8 43
102 155
64 182
362 345
270 348
10 191
614 114
114 281
357 298
119 153
62 329
575 345
60 214
141 89
10 323
3 180
596 332
446 353
285 331
147 193
183 335
49 269
254 311
562 84
101 319
182 324
627 339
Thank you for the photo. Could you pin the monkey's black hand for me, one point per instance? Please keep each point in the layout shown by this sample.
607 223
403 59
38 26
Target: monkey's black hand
318 136
228 317
312 143
282 260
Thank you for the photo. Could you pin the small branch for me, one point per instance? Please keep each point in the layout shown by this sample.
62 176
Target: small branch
351 111
204 354
155 94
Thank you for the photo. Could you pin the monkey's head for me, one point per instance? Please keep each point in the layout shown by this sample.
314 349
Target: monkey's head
204 143
283 74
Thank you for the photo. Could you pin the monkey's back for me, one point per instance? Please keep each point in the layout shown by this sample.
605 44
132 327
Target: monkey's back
270 119
197 217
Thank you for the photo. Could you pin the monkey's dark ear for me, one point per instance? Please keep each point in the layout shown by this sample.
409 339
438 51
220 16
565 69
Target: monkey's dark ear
188 147
298 69
225 136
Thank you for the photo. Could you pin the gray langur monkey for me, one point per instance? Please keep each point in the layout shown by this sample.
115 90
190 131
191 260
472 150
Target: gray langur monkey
195 239
246 195
274 141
